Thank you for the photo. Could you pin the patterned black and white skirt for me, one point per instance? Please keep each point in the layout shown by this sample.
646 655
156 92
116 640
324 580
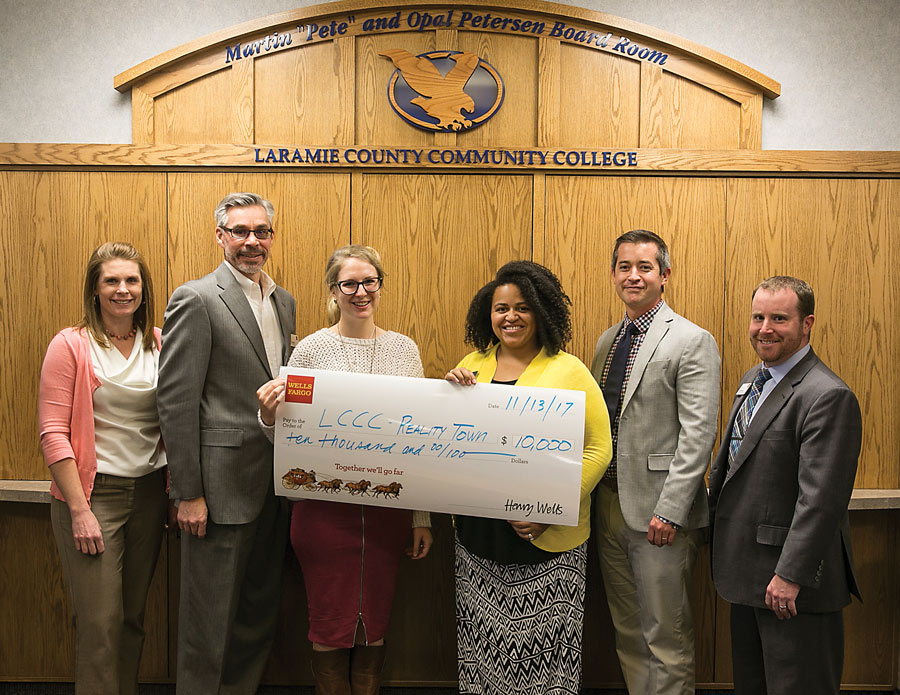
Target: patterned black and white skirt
519 626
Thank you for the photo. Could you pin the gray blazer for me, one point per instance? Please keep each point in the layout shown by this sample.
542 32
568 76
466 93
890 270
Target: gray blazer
668 423
782 506
212 361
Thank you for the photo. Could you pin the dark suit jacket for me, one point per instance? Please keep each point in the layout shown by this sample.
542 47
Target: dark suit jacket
212 361
782 506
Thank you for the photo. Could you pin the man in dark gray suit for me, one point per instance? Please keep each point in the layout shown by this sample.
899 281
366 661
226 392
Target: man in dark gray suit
224 336
778 496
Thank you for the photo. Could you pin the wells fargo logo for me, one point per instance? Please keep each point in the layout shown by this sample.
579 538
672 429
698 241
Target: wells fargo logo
431 90
299 389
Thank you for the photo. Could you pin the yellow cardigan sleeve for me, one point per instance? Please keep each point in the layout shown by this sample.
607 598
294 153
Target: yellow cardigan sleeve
570 373
563 371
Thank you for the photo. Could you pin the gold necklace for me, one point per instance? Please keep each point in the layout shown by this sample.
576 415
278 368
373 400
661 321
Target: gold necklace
347 357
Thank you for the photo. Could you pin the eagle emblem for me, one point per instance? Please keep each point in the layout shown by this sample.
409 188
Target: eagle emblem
432 90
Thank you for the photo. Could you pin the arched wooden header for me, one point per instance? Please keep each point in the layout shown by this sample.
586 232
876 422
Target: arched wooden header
573 78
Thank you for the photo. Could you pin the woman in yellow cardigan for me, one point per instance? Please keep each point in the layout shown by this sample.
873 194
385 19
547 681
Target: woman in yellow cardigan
519 584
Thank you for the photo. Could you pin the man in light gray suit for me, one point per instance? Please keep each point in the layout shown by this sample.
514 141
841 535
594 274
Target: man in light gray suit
778 495
660 377
224 336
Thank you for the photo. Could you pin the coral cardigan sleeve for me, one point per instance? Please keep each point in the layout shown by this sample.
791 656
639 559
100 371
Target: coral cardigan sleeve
55 400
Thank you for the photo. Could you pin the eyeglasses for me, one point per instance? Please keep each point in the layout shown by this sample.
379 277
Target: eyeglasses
370 285
242 233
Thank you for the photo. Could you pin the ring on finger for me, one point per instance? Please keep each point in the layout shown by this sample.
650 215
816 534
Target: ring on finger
531 536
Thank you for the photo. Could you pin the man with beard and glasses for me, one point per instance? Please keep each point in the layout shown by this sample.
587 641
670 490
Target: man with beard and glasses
224 336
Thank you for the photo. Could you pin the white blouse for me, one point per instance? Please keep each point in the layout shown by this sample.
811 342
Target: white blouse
126 424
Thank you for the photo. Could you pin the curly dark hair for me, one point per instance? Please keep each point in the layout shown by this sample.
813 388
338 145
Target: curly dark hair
544 294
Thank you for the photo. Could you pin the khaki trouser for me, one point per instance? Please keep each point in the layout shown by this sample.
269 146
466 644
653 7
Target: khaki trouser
647 589
108 591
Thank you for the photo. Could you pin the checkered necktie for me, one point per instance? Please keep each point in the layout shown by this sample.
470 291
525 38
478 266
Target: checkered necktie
742 420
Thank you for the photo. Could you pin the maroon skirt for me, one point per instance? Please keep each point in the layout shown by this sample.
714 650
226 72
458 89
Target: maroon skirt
349 555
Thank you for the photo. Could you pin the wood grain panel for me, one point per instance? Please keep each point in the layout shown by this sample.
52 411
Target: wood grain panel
376 122
37 636
141 117
651 117
193 113
442 238
549 89
302 95
585 215
812 228
599 99
870 650
751 122
696 117
243 106
66 215
516 59
312 218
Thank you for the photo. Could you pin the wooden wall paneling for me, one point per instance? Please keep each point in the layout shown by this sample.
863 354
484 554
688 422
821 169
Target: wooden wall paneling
142 131
723 672
599 99
193 112
376 122
446 40
66 215
516 59
538 213
651 106
549 92
37 636
306 95
815 229
356 205
194 68
751 122
312 218
243 105
870 647
694 116
442 237
584 216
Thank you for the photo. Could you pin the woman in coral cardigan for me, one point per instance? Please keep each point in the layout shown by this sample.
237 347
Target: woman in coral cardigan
520 584
100 438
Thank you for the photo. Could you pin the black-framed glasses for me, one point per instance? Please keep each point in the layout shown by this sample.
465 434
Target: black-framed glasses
242 232
370 285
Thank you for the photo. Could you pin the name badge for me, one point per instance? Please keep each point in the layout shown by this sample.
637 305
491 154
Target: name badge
743 388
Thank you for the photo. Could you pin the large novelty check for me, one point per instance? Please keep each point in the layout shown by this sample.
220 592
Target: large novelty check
506 452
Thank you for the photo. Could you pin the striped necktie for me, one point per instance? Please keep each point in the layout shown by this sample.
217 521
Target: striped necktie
742 419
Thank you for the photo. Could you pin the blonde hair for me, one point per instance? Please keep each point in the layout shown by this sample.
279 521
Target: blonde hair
92 320
333 269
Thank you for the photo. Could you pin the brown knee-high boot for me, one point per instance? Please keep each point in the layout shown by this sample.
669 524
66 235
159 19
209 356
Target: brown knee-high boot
331 670
365 669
